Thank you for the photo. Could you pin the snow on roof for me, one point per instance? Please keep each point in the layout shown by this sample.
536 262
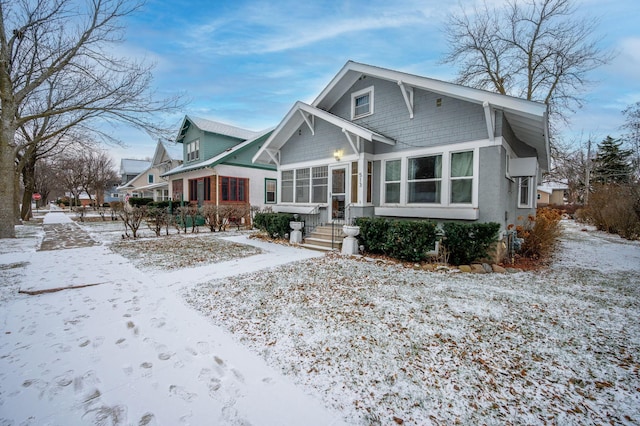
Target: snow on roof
130 166
215 127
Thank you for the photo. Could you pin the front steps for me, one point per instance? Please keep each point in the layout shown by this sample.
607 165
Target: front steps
320 238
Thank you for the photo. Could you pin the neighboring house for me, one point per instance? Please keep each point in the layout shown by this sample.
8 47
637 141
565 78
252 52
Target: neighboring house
378 142
148 183
551 194
217 166
130 168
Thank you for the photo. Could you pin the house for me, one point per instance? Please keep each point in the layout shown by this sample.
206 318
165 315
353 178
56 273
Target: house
383 143
148 183
551 194
130 168
217 167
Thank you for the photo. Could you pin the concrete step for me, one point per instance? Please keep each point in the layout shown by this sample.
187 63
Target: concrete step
323 242
316 247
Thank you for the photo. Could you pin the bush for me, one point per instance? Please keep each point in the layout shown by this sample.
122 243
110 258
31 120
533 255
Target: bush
274 224
138 202
615 209
540 234
467 243
400 239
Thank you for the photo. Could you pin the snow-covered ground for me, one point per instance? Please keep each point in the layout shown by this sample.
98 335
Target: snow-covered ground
274 335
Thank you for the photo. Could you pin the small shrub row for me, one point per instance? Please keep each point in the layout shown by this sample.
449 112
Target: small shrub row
468 242
400 239
274 224
137 202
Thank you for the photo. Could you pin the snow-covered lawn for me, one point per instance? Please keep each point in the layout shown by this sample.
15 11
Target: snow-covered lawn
382 342
222 338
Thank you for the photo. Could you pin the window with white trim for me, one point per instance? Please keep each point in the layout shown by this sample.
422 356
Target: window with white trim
193 150
524 192
287 186
149 178
392 176
302 185
362 103
369 181
319 184
461 177
424 179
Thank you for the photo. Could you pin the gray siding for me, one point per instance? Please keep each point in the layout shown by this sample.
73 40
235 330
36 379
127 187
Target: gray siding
452 122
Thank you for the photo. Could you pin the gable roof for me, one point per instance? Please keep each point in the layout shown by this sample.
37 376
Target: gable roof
222 157
213 127
528 119
129 166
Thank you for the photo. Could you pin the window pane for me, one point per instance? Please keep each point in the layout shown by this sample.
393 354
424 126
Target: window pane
425 167
287 186
302 185
462 164
354 182
319 184
361 105
369 181
392 193
461 191
392 170
524 191
424 192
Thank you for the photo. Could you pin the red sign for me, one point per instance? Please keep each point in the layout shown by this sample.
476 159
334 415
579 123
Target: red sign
36 196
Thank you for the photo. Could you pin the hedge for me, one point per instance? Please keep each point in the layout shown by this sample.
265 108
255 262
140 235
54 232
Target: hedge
274 224
400 239
468 242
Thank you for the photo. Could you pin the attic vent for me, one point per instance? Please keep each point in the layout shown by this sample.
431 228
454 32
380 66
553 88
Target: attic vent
362 77
439 102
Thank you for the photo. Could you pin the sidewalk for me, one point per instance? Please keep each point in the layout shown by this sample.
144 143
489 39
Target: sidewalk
128 350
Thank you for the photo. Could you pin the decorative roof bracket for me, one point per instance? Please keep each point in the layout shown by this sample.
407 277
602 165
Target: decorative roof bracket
356 150
310 123
407 94
489 119
275 156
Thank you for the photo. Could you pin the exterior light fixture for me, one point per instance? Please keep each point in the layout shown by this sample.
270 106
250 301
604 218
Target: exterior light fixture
337 154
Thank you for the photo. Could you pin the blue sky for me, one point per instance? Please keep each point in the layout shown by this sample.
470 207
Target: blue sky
246 62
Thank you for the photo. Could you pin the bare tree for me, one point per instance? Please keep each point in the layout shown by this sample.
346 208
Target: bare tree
538 50
54 62
631 127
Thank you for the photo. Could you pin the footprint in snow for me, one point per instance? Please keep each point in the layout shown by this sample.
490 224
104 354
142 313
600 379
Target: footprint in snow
182 393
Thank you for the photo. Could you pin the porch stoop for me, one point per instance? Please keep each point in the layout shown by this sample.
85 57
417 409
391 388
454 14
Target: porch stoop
320 238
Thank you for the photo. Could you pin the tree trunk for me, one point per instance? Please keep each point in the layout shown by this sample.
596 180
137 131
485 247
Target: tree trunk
7 185
28 178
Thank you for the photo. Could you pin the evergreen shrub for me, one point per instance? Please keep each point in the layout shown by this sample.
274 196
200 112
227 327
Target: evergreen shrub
468 242
274 224
401 239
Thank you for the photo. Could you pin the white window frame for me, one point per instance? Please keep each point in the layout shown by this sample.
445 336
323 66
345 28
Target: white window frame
193 150
472 178
360 93
290 189
529 187
274 183
383 195
435 179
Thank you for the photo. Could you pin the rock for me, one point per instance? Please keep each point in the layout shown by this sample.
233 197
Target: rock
464 268
477 269
498 269
487 268
513 270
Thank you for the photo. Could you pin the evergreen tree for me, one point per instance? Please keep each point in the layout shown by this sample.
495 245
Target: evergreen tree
612 163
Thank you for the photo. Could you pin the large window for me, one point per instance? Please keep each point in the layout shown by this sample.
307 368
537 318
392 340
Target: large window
392 177
424 179
270 187
287 186
302 185
319 182
193 150
524 199
233 189
462 177
362 103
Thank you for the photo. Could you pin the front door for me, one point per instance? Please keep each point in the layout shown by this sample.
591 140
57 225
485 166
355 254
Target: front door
338 194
